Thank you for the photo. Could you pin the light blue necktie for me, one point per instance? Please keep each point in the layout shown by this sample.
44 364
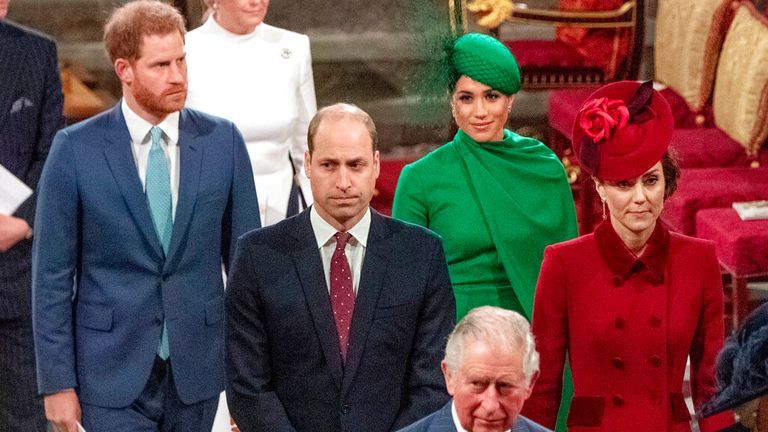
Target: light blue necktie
158 185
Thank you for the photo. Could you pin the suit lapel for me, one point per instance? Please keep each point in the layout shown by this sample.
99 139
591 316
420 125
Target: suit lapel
309 266
190 163
123 167
443 420
372 275
12 54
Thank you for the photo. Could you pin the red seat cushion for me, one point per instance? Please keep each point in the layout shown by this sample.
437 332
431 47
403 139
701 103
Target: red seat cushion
386 184
703 148
563 107
742 246
684 116
546 54
703 188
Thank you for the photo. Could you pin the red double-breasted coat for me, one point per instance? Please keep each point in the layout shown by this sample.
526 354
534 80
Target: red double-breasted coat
627 326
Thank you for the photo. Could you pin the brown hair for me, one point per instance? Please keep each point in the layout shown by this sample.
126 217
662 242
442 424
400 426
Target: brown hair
341 110
128 24
671 173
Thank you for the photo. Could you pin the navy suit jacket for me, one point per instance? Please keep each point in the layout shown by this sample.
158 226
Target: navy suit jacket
94 229
442 421
31 107
284 370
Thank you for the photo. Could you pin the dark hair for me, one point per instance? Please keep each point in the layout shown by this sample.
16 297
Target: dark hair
126 27
671 173
341 110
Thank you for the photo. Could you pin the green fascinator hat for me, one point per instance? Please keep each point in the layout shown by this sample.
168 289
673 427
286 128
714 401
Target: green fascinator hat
486 60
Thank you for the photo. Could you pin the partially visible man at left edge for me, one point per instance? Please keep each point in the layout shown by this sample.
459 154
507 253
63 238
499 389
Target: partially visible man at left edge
30 114
138 206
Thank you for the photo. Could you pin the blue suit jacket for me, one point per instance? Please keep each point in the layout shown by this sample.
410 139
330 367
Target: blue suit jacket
31 107
94 229
442 421
284 369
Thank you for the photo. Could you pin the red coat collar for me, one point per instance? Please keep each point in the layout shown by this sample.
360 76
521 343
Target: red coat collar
623 263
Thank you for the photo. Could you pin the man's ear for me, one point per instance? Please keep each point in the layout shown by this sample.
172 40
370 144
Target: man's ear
377 163
307 164
124 70
532 383
450 377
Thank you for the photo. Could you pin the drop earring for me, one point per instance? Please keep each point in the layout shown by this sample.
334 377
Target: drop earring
603 201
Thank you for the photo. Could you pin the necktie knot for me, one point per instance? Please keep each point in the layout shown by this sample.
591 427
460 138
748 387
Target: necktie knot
157 134
342 238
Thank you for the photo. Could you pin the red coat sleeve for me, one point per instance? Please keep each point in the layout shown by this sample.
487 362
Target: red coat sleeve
550 327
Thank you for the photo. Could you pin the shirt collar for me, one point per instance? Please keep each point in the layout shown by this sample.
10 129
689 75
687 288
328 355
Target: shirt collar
139 128
324 231
623 263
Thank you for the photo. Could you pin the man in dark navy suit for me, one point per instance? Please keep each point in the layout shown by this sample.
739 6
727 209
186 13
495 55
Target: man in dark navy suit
31 106
490 367
138 208
336 318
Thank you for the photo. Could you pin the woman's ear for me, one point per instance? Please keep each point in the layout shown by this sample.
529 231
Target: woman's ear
599 187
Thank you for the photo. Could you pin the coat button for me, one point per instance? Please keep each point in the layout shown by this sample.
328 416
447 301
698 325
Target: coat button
618 281
655 399
345 409
657 280
655 361
617 362
654 321
620 323
618 401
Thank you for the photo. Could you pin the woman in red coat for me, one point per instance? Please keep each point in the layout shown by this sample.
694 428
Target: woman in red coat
629 303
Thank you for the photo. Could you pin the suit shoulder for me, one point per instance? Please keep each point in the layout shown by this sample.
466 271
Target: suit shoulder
523 424
409 230
33 35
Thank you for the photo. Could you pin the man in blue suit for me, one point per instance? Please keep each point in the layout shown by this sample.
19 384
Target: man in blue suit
336 317
490 367
138 208
30 114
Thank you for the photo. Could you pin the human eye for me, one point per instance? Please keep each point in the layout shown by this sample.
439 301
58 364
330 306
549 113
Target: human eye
652 180
623 184
465 98
492 96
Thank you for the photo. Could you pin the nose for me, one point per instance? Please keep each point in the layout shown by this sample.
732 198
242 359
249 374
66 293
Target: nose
490 402
343 181
178 72
638 192
480 108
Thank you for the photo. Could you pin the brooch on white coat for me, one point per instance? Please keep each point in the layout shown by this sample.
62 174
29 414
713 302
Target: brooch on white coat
286 53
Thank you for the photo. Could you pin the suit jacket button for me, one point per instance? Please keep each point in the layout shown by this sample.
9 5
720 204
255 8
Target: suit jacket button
620 323
655 361
158 321
617 362
618 401
618 281
345 409
654 321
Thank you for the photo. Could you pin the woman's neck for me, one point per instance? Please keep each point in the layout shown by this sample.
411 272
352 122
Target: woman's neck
634 240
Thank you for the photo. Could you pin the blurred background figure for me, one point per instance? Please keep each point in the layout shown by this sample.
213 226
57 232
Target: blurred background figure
742 376
629 303
31 107
259 77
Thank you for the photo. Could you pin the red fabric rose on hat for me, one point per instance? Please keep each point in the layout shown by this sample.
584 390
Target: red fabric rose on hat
601 117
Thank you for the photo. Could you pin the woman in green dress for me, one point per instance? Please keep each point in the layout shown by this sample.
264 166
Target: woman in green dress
496 198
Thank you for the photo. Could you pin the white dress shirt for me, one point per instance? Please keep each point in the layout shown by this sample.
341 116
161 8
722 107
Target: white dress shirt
141 142
355 249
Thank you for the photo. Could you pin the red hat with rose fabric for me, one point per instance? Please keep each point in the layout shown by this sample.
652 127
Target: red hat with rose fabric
622 130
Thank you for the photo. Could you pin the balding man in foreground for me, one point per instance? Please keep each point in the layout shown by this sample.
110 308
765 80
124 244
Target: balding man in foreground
490 367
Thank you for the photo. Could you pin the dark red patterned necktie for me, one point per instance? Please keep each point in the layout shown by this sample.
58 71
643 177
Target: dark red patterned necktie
342 295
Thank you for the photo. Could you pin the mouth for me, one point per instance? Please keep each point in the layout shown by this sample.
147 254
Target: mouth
481 125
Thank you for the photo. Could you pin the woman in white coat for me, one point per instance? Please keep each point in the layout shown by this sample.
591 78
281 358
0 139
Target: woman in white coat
259 77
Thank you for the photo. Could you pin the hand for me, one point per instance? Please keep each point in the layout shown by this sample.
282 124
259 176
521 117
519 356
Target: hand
12 231
63 410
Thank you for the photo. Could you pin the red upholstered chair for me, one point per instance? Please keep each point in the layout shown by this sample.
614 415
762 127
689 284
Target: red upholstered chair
742 249
596 41
386 184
